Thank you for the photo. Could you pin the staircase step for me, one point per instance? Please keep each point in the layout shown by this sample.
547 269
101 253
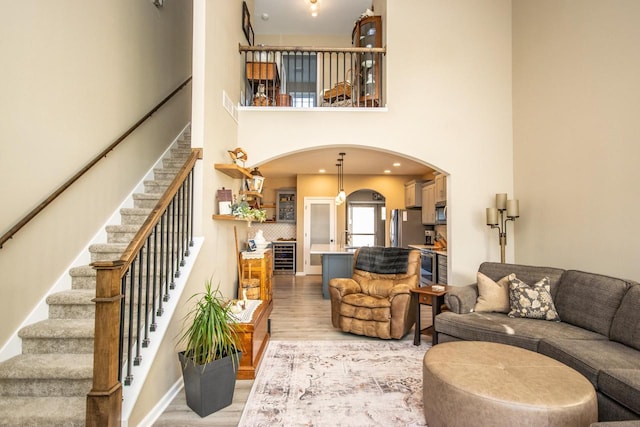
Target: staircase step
156 186
172 163
146 200
41 375
165 173
83 277
72 304
61 336
121 233
43 411
134 216
107 251
180 152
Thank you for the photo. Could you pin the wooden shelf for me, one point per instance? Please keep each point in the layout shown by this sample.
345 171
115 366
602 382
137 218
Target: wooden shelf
269 206
234 171
227 217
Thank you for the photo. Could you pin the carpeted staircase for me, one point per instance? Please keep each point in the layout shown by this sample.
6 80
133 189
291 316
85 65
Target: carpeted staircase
47 384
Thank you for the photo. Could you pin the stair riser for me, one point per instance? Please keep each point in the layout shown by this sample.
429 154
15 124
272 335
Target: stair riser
55 345
164 174
83 282
127 237
45 387
172 163
146 203
72 311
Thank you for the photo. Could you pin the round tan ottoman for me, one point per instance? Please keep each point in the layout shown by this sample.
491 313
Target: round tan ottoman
471 383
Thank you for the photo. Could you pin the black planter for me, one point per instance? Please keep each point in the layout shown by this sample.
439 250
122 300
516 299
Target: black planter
209 387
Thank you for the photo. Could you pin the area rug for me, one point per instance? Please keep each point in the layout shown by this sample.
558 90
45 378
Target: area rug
338 383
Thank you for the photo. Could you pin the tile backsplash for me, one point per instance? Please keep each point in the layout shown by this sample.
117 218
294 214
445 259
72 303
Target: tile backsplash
273 230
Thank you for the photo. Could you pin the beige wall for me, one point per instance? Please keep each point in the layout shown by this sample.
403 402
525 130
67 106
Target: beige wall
576 133
76 76
449 106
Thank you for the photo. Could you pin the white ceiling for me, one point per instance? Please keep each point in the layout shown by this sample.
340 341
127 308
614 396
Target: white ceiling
294 16
334 17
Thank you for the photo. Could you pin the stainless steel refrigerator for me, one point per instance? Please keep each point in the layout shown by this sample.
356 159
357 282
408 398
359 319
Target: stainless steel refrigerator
406 228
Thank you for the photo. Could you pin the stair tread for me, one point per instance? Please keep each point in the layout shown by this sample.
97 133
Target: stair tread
122 228
38 411
108 247
146 196
83 270
48 365
59 328
72 296
136 211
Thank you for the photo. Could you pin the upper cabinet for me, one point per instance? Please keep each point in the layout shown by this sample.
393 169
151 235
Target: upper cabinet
367 74
428 203
286 205
441 188
413 194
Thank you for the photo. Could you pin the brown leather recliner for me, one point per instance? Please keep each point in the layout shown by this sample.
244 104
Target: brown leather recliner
376 302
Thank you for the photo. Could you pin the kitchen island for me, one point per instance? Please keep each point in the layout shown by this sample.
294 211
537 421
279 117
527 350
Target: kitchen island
337 261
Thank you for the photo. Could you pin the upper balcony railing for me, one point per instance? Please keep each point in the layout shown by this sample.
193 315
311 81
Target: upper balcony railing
308 77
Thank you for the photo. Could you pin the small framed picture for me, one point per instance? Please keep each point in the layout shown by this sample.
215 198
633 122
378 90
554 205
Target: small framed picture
251 35
246 22
251 244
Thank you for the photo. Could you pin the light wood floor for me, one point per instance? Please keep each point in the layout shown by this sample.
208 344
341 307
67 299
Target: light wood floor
299 313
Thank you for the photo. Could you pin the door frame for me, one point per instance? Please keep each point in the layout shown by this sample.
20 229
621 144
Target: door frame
308 201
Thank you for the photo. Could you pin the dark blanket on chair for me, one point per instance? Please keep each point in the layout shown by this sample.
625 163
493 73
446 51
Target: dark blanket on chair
381 260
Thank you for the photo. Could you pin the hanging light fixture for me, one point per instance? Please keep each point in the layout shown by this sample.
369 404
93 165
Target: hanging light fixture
342 196
314 7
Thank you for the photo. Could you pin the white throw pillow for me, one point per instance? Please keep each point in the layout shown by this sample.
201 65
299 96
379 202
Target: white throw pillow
492 296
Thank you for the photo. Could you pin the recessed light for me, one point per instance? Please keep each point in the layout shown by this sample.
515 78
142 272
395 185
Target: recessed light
387 171
314 13
396 164
322 170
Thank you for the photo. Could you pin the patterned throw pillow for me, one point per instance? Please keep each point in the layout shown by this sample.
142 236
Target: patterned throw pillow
531 301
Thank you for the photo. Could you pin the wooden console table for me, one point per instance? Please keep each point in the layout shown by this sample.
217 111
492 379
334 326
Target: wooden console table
254 337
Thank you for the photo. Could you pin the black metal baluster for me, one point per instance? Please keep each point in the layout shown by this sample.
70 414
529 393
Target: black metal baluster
138 306
164 248
132 271
172 246
154 286
147 283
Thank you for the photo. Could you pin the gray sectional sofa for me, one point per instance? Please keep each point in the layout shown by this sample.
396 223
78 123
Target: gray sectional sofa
598 335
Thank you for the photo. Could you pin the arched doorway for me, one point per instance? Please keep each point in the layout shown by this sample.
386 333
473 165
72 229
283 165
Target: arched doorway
365 218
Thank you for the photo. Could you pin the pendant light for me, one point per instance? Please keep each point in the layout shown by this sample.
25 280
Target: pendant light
342 196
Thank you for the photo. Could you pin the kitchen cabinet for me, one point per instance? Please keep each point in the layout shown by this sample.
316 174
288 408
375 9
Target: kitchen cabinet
367 33
442 269
284 257
441 188
413 194
286 205
428 203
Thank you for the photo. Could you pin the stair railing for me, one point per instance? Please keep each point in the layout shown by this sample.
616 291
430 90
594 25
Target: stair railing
25 220
130 293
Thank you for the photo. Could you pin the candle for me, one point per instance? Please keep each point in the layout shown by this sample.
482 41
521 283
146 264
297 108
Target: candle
513 209
501 201
492 216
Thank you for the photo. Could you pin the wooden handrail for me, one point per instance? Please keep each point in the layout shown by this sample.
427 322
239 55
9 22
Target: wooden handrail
244 48
146 228
9 234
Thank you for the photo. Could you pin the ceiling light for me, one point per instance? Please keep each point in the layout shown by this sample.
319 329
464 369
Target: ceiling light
265 16
322 170
387 171
396 164
314 14
342 196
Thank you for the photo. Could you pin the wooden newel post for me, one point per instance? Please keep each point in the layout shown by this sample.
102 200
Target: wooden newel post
104 402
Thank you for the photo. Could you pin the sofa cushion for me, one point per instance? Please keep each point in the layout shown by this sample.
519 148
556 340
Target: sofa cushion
625 327
526 273
589 300
492 296
589 357
531 301
622 385
498 327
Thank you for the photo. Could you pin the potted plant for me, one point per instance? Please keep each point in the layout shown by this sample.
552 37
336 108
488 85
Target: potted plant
212 352
244 211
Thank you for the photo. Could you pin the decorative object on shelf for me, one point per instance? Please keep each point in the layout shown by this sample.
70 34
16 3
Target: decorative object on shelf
257 180
512 209
238 155
243 210
225 198
212 352
342 196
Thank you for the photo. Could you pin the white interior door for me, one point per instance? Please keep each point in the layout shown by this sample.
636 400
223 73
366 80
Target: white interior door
319 228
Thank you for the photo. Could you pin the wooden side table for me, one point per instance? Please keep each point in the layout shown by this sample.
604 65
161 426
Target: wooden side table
426 295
